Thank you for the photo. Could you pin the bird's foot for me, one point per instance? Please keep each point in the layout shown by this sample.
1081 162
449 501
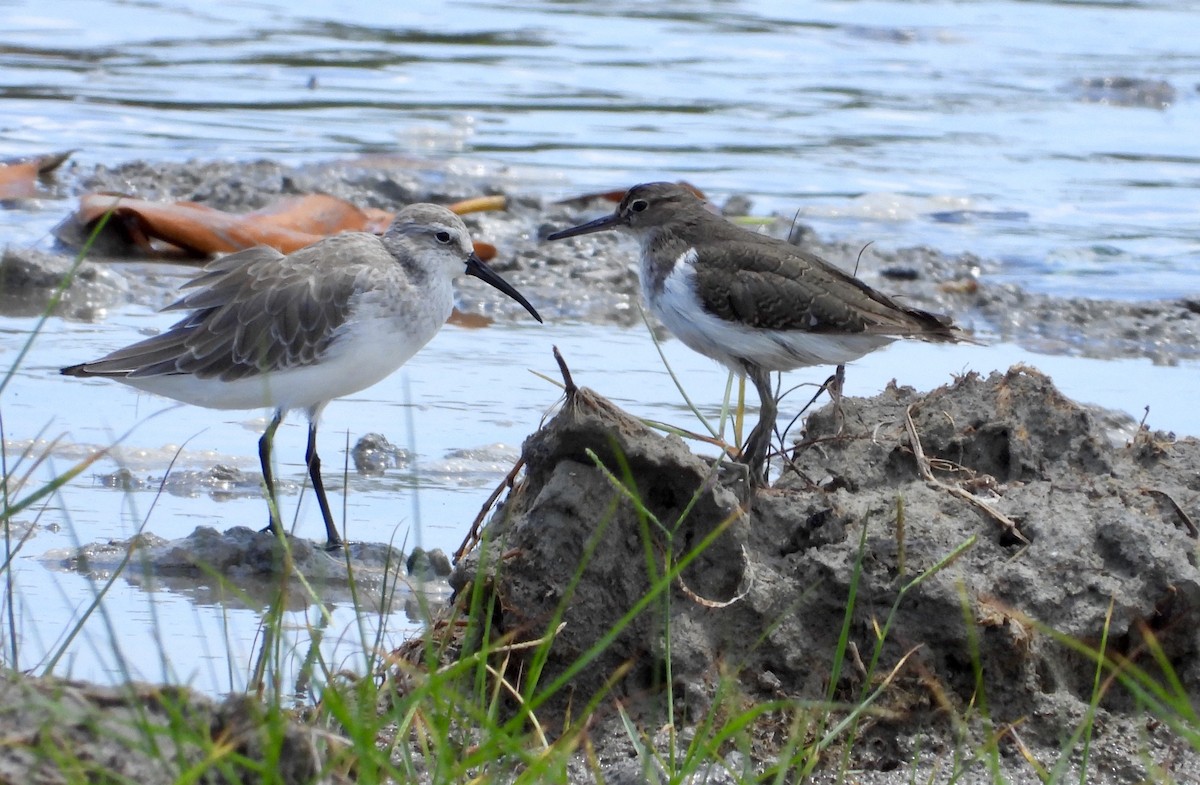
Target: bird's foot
757 474
758 478
743 471
754 458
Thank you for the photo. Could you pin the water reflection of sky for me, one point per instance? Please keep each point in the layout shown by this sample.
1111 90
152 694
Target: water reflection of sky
870 118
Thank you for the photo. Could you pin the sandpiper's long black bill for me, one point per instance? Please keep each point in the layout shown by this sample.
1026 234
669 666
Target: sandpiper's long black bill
598 225
477 268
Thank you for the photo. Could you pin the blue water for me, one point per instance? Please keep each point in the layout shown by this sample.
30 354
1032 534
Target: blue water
875 120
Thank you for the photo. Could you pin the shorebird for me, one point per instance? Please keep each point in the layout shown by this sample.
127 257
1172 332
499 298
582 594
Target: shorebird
753 303
294 332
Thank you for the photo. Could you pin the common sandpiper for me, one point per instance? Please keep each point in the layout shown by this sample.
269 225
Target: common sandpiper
753 303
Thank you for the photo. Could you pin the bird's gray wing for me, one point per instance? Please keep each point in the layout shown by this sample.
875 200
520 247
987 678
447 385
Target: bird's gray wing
252 312
776 286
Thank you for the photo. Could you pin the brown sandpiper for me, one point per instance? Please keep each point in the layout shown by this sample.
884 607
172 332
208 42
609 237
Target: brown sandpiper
753 303
294 332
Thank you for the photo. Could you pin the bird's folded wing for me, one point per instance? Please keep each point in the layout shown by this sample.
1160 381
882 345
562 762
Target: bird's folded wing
799 291
253 312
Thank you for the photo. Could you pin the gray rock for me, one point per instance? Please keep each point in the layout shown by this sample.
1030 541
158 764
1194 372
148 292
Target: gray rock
30 280
428 565
373 455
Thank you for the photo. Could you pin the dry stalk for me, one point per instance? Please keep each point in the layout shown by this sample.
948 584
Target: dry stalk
923 466
747 582
1186 519
473 535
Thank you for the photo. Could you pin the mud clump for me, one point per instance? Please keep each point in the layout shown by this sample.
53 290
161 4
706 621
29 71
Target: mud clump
254 567
975 529
121 734
585 524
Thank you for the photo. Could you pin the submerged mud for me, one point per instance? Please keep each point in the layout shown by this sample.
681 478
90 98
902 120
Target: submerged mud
591 278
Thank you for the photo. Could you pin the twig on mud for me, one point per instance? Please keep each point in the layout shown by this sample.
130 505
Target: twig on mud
826 385
1026 753
1193 532
472 538
747 576
856 658
502 681
683 433
833 385
923 467
508 648
568 383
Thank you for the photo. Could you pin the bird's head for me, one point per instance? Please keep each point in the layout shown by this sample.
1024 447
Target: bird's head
436 242
644 208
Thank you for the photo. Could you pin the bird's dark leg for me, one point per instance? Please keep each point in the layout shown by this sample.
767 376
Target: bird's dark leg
754 453
264 458
332 540
835 397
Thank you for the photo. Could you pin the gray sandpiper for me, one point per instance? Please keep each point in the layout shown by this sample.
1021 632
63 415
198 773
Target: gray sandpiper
295 331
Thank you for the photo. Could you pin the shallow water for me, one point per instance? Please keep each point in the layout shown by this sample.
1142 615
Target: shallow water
980 126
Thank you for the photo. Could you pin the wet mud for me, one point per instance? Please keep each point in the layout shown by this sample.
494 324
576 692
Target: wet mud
970 530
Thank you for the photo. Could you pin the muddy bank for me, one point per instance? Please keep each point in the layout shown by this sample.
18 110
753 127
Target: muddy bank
591 278
961 527
250 565
59 731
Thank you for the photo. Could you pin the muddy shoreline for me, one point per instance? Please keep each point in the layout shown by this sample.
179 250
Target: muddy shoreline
1044 520
590 278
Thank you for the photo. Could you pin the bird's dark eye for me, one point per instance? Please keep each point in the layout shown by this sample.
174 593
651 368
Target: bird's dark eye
638 205
442 237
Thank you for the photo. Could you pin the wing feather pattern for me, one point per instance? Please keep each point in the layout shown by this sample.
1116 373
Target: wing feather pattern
251 312
799 291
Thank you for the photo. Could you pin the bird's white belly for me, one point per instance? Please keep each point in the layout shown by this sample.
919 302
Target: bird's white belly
733 344
368 351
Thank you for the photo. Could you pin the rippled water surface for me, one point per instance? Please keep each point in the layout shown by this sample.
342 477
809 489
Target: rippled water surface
982 126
